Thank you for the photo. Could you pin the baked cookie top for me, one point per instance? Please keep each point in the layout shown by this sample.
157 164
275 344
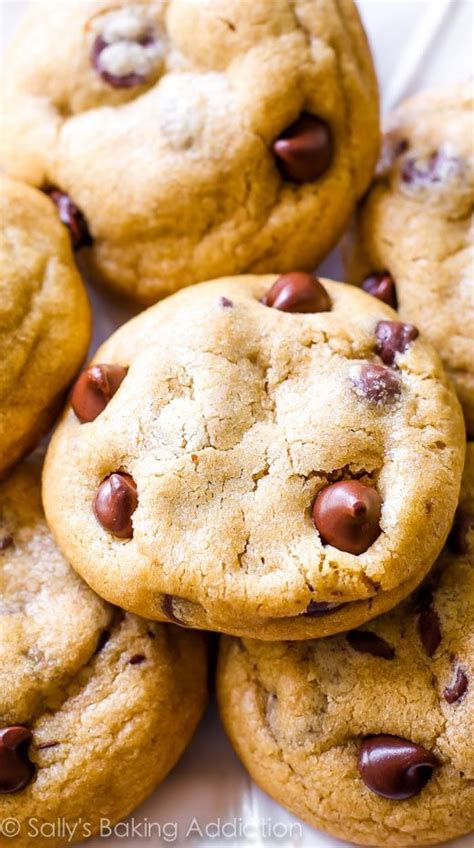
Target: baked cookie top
368 734
244 467
44 317
89 695
413 241
198 139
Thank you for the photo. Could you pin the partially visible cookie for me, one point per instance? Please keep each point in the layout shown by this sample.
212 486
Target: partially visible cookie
96 705
262 456
44 317
368 734
413 243
197 138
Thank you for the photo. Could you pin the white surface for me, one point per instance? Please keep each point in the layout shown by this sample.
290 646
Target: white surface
415 45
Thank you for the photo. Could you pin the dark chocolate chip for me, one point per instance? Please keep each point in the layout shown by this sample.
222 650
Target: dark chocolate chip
137 659
72 217
367 642
94 388
6 541
458 539
304 150
347 515
114 504
126 80
394 337
297 292
395 768
317 608
225 303
458 686
16 769
429 629
376 383
381 286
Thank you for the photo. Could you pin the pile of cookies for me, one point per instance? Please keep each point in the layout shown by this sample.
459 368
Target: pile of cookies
268 455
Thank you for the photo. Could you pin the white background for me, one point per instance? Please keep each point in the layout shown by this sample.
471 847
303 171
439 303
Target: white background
415 45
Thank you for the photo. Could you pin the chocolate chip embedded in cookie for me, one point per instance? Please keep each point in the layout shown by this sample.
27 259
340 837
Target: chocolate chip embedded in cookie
89 695
258 470
44 318
364 734
413 236
264 133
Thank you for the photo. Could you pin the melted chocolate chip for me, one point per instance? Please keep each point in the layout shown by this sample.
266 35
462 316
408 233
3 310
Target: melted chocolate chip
429 629
458 539
317 608
347 515
376 384
72 217
367 642
304 150
457 688
395 768
297 292
394 337
118 81
381 286
114 504
16 770
6 541
94 388
137 659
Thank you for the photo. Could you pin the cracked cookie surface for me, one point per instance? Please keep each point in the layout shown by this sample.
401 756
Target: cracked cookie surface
416 226
185 485
303 715
44 318
180 130
96 705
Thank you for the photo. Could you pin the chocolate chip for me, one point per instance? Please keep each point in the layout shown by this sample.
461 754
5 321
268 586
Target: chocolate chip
94 388
375 383
225 303
115 503
72 217
168 609
428 170
429 629
395 768
304 150
16 770
381 286
458 539
6 541
347 515
367 642
129 80
393 337
317 608
137 659
457 688
297 292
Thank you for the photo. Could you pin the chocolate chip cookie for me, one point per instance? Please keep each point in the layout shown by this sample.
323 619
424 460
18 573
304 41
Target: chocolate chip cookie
44 317
96 705
413 244
368 734
263 456
190 140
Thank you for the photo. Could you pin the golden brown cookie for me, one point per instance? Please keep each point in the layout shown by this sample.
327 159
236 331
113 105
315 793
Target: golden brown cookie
368 734
96 705
413 241
44 317
277 458
198 139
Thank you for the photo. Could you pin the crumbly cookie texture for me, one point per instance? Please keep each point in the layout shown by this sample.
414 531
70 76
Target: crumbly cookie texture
198 139
415 226
185 485
96 705
44 317
368 734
